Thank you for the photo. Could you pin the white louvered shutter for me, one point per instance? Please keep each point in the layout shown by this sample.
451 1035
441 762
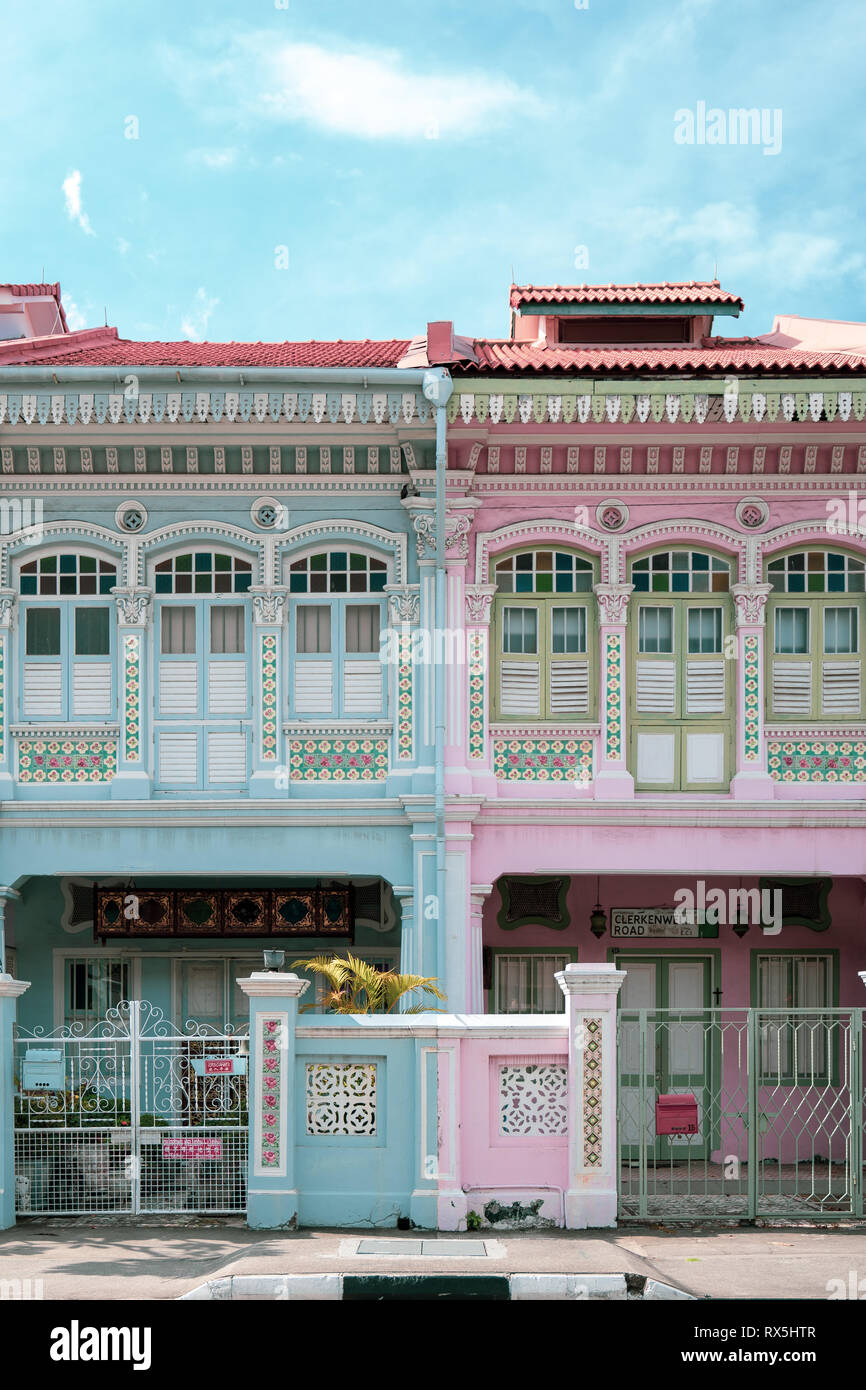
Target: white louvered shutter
91 689
791 687
569 687
226 759
656 691
178 758
840 687
227 687
362 687
314 687
519 688
43 690
178 687
705 686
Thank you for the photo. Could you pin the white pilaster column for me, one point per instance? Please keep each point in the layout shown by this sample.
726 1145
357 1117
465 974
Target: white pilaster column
593 1150
479 748
10 992
8 665
269 610
134 777
478 895
612 780
272 1197
752 779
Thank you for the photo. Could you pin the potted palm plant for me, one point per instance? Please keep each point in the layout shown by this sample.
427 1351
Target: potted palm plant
354 986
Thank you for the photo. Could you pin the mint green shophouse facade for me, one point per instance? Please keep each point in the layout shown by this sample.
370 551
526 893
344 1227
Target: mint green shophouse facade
198 568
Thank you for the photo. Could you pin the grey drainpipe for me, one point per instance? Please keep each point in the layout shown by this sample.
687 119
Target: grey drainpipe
360 376
437 388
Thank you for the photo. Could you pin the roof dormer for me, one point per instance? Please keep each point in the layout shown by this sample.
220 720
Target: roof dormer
668 314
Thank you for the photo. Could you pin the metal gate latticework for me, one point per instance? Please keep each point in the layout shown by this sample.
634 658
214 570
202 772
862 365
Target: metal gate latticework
144 1117
780 1113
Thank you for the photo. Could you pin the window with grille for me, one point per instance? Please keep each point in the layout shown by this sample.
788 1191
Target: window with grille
93 985
798 1047
335 636
681 572
67 639
544 647
525 982
67 575
203 572
815 624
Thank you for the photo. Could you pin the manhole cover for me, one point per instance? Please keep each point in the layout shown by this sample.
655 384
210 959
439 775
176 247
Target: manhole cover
455 1248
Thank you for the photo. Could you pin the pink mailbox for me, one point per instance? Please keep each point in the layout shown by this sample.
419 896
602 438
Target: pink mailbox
676 1115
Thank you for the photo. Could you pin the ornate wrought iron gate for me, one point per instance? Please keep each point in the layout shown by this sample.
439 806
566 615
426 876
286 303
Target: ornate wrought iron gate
780 1113
137 1117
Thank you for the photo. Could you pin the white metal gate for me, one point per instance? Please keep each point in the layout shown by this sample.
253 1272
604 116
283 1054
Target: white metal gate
132 1116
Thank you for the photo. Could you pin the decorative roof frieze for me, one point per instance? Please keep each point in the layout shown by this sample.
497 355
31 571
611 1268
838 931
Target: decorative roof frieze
133 406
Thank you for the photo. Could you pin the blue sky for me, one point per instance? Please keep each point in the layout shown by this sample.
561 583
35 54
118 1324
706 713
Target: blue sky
408 155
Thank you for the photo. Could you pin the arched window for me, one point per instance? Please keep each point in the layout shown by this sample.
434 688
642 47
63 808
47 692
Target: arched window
337 612
544 623
681 696
815 635
203 692
67 666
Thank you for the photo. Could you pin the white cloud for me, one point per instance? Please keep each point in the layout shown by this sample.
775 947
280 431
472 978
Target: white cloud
74 209
743 244
214 159
366 93
194 324
74 316
123 245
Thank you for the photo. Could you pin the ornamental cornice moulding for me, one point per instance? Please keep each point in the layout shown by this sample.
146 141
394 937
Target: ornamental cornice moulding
133 606
751 603
268 606
457 528
8 599
613 603
479 602
404 605
424 525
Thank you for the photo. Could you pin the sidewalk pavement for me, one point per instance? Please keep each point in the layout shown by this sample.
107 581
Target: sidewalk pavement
88 1258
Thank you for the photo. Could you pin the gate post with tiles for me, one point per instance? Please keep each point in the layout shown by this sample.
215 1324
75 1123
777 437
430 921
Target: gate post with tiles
591 992
10 990
272 1197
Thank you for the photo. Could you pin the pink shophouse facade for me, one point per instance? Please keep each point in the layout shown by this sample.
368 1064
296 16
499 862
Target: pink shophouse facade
654 539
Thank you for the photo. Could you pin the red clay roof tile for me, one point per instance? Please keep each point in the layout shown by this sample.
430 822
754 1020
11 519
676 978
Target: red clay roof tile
673 292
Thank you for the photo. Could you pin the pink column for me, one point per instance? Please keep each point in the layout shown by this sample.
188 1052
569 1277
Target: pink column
612 781
593 1157
752 780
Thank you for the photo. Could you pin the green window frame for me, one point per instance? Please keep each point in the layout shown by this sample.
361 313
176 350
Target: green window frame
544 636
681 692
816 621
798 1043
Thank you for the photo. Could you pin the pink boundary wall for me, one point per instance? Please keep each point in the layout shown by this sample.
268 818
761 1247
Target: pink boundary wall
574 1173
